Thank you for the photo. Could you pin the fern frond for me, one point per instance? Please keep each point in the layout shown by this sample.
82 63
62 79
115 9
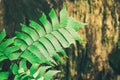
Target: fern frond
7 49
37 42
35 72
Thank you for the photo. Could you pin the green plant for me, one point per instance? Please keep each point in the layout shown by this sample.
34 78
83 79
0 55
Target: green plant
39 45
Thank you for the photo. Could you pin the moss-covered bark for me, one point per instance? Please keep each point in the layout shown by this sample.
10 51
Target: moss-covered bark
1 15
101 36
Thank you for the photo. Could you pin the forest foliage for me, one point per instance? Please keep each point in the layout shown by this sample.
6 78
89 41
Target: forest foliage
38 48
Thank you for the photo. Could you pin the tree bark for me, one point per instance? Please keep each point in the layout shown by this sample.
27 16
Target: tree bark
1 15
101 36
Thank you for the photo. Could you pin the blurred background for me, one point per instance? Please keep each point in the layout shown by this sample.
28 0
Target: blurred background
98 58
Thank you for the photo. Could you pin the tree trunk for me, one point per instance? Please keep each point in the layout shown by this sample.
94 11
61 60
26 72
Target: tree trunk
1 15
101 34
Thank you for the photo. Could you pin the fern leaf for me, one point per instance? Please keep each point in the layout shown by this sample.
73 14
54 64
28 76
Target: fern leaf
38 28
23 64
4 75
67 36
11 50
63 17
46 23
2 57
30 57
5 44
44 51
7 49
24 37
35 72
50 74
50 48
74 34
75 24
30 32
33 68
61 39
36 51
56 44
14 68
54 19
22 44
40 72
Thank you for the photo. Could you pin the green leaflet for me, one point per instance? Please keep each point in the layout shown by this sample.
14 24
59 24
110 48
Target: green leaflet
40 72
50 74
63 17
30 32
56 44
1 53
30 57
75 24
46 23
67 36
61 39
21 43
36 52
14 68
33 68
24 37
14 55
54 20
74 34
11 50
40 30
5 44
4 75
44 51
2 57
50 48
22 64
